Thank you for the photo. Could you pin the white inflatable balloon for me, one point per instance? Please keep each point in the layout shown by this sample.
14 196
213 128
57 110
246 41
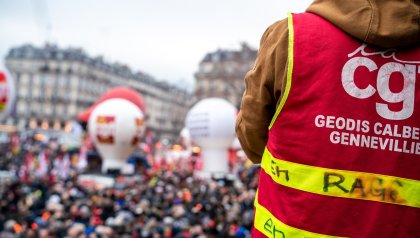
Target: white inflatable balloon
236 145
115 127
211 123
7 92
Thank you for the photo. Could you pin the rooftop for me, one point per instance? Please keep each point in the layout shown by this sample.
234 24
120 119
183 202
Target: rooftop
53 52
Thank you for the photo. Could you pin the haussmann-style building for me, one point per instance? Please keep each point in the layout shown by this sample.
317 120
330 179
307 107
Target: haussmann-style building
221 74
54 85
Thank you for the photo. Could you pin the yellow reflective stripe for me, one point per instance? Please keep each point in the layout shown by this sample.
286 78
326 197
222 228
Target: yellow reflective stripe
270 226
342 183
289 70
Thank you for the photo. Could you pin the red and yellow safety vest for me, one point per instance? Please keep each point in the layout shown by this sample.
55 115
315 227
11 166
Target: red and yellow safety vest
343 154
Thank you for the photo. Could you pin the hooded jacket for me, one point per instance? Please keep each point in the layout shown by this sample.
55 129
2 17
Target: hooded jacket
383 23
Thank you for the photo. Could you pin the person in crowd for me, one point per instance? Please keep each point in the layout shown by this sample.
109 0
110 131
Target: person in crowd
156 203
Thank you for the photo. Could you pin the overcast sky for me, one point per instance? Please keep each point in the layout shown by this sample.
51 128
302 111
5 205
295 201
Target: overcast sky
164 38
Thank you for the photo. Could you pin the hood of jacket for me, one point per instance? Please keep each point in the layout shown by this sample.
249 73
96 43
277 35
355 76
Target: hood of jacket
384 23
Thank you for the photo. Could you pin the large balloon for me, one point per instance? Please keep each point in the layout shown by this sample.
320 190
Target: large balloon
211 123
236 145
7 92
117 92
115 127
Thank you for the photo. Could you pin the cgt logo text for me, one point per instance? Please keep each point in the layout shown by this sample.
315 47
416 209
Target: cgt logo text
407 69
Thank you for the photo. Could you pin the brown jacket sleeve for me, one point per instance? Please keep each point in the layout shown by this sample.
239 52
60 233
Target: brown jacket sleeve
263 87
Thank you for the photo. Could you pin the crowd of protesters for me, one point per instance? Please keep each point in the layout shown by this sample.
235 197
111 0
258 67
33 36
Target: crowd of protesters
51 201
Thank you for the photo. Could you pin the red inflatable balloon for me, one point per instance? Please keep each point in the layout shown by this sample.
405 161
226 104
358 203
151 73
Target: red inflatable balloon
117 92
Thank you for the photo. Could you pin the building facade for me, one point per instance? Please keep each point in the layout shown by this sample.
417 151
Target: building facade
221 74
54 85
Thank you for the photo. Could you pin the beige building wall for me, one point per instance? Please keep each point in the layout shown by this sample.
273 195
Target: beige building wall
54 85
221 74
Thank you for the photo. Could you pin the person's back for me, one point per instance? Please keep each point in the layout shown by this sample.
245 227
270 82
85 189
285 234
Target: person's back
338 121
